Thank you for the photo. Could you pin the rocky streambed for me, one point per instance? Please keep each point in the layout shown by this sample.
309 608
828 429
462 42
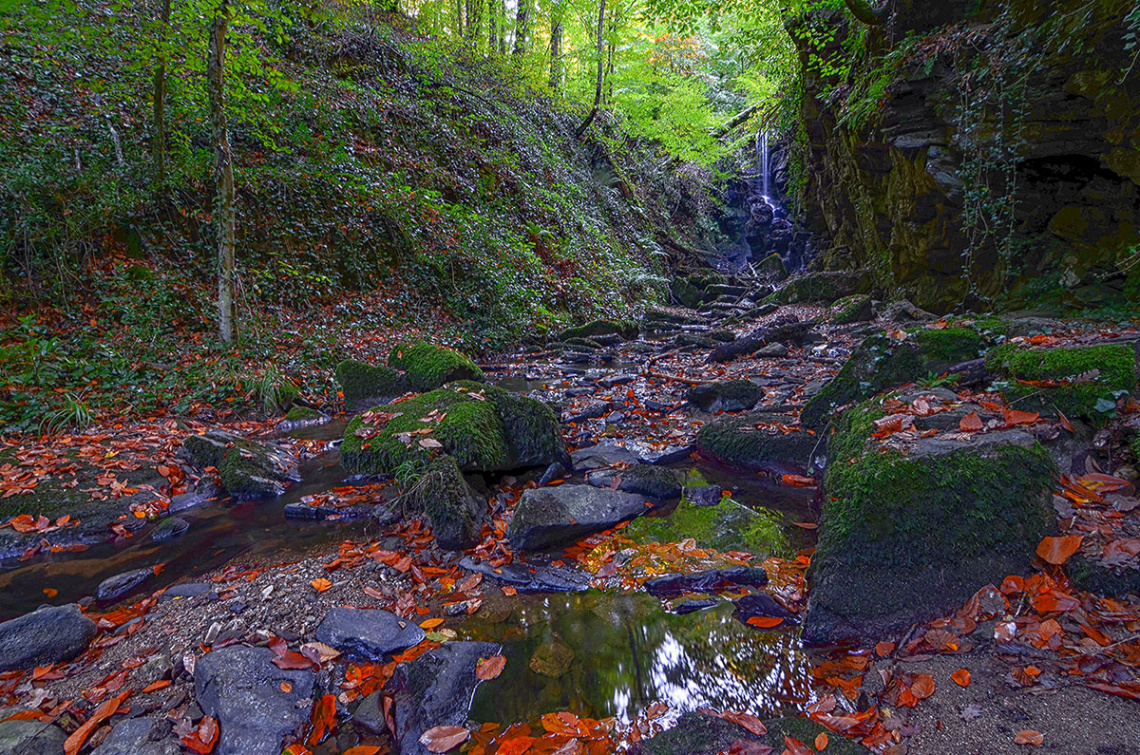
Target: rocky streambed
608 542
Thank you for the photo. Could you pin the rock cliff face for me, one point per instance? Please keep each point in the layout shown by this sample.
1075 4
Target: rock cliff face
974 152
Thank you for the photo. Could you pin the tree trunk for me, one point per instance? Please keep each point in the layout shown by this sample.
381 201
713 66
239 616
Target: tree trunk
522 27
865 12
158 147
493 26
474 22
224 211
601 69
556 45
459 19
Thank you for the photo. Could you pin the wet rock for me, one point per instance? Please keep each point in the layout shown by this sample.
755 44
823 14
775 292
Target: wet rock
712 580
725 396
913 528
821 287
483 427
555 471
784 330
601 455
31 738
139 736
642 479
692 606
512 574
772 267
48 635
169 528
758 441
246 468
660 317
187 590
556 579
772 351
654 453
119 585
367 632
435 690
318 513
592 410
552 659
903 310
456 511
694 734
704 495
852 309
240 687
370 714
761 605
548 517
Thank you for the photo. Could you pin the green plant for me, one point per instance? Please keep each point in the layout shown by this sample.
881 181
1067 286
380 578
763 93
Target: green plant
74 414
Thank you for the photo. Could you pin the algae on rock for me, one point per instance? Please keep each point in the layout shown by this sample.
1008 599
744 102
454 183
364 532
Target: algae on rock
365 385
1080 381
428 366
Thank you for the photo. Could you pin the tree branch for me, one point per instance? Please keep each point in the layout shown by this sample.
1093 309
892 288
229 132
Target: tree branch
866 12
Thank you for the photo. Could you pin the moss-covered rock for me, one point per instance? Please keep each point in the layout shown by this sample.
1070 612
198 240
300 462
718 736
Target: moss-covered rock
247 469
772 267
686 293
727 526
725 395
755 441
302 414
1081 381
365 385
456 511
624 328
428 366
880 363
904 537
822 287
851 309
485 428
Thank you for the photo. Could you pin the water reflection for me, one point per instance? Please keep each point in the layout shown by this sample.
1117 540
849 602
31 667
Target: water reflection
628 653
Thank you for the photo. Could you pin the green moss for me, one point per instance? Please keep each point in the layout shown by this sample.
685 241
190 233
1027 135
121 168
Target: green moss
1082 381
453 507
302 414
855 308
950 345
624 328
892 520
994 325
806 730
429 366
738 442
502 431
362 383
1135 446
687 294
728 526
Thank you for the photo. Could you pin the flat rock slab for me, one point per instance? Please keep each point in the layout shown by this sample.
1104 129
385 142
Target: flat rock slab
601 455
653 453
532 579
119 585
240 686
549 517
436 689
48 635
320 513
140 736
187 590
31 738
761 605
641 479
712 580
368 632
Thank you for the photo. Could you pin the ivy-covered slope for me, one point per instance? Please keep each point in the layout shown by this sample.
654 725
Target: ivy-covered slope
365 154
978 153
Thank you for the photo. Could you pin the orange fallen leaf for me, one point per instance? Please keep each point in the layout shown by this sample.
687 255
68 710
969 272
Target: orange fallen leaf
1029 737
202 739
1018 417
156 686
961 677
489 668
1057 550
286 687
765 622
430 623
971 423
884 649
362 750
746 721
74 743
51 592
798 481
796 747
321 584
923 686
821 741
443 738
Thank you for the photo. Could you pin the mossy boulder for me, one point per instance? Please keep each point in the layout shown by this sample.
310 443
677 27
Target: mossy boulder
246 469
624 328
906 536
1080 381
817 287
428 366
772 267
756 441
456 511
365 385
300 414
727 526
880 363
725 396
686 293
485 428
851 309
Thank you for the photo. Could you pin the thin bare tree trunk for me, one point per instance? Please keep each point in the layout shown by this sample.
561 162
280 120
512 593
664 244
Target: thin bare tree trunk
224 211
601 63
493 26
522 27
158 148
556 44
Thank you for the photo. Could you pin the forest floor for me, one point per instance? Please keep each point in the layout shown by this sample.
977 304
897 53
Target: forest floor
1029 663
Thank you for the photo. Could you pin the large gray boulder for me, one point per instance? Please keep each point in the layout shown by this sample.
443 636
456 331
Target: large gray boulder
549 517
49 634
367 632
31 738
240 687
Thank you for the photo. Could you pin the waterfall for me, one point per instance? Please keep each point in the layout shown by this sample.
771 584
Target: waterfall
764 159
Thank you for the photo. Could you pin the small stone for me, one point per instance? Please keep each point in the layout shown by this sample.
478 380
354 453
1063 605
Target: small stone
212 633
552 659
119 585
367 632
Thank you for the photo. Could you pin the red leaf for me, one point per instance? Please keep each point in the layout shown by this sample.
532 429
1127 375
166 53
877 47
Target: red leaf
1029 737
746 721
443 738
489 668
1057 550
971 423
961 677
